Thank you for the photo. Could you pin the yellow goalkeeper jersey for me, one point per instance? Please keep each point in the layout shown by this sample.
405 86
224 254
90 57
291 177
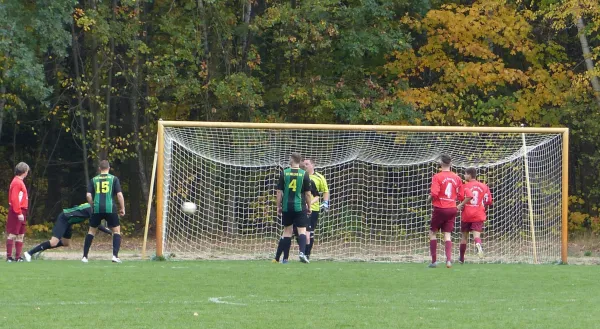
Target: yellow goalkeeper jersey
321 186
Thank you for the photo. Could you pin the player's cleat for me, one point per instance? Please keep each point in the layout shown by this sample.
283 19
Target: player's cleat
10 260
449 264
479 250
27 256
432 265
20 259
461 262
116 259
274 261
285 261
303 258
84 260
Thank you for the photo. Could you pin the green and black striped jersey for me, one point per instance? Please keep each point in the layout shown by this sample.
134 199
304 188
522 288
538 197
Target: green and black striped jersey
103 189
294 182
78 214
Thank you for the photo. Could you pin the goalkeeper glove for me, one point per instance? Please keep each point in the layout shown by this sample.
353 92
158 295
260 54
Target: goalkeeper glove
325 206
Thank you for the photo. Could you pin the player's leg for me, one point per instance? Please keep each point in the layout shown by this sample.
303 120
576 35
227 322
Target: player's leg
477 229
61 227
105 230
113 222
22 227
449 215
463 241
87 244
301 221
433 229
310 237
285 242
12 231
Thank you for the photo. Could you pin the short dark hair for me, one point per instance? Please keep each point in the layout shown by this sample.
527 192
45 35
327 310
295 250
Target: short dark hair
104 165
296 157
446 159
471 171
21 168
312 162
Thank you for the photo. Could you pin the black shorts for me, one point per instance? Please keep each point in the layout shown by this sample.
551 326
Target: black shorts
112 219
62 228
314 219
296 218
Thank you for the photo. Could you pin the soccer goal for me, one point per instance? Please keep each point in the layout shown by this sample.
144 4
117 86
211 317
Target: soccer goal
379 179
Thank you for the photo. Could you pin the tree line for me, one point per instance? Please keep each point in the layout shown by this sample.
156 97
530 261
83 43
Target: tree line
88 79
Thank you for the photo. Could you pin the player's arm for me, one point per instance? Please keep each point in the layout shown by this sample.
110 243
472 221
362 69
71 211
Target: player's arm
435 189
280 186
306 185
466 195
325 188
15 203
89 196
487 201
120 198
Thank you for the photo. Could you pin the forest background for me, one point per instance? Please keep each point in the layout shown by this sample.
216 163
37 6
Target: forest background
83 80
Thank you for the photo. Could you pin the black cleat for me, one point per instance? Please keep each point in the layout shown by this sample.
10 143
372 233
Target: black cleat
10 260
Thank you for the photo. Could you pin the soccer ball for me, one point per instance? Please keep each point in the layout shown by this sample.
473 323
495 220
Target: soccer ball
188 208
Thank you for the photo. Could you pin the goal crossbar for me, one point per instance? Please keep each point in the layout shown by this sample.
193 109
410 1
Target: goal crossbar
160 159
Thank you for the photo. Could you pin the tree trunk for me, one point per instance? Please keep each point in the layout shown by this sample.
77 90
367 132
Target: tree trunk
137 142
105 150
95 91
75 52
206 50
2 104
587 55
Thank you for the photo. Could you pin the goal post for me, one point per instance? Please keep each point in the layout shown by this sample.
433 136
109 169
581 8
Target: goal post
379 180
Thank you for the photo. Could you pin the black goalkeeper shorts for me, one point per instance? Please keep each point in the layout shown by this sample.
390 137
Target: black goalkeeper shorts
62 228
314 220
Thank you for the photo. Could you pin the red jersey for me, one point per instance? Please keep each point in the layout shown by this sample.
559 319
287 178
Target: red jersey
444 189
474 211
17 196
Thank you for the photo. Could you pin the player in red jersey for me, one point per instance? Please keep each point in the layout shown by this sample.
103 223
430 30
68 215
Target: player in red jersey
444 191
475 196
18 202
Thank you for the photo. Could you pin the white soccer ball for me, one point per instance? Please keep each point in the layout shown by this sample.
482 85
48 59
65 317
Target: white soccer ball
188 208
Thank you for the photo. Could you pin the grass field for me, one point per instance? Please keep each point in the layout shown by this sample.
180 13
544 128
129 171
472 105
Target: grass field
242 294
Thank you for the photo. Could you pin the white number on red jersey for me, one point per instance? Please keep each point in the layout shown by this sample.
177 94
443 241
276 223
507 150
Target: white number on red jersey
448 191
475 199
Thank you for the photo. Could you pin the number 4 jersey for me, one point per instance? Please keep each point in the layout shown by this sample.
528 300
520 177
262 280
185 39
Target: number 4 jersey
444 189
474 211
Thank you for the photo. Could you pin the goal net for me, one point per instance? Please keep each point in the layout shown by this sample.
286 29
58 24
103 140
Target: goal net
379 184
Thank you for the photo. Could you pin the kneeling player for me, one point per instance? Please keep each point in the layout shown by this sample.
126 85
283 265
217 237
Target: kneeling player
61 233
476 197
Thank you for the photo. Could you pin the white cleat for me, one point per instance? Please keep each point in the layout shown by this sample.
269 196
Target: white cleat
479 250
116 259
303 258
27 256
84 260
449 264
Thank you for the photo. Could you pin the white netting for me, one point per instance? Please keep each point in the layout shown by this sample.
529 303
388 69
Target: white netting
379 184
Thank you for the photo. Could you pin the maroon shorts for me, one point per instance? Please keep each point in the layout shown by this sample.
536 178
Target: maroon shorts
472 226
443 219
14 225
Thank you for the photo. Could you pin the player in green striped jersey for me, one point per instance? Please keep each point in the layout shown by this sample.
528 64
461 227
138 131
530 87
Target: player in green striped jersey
61 233
293 203
100 194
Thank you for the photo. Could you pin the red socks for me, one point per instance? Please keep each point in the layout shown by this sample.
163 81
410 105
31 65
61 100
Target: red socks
478 240
433 250
448 251
18 249
463 249
9 247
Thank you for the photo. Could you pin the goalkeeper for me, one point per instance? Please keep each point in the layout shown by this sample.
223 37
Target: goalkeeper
322 190
61 233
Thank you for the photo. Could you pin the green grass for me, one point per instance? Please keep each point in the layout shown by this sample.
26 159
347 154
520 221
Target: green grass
242 294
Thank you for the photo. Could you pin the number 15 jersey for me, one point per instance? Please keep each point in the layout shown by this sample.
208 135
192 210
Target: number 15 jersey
444 189
103 188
